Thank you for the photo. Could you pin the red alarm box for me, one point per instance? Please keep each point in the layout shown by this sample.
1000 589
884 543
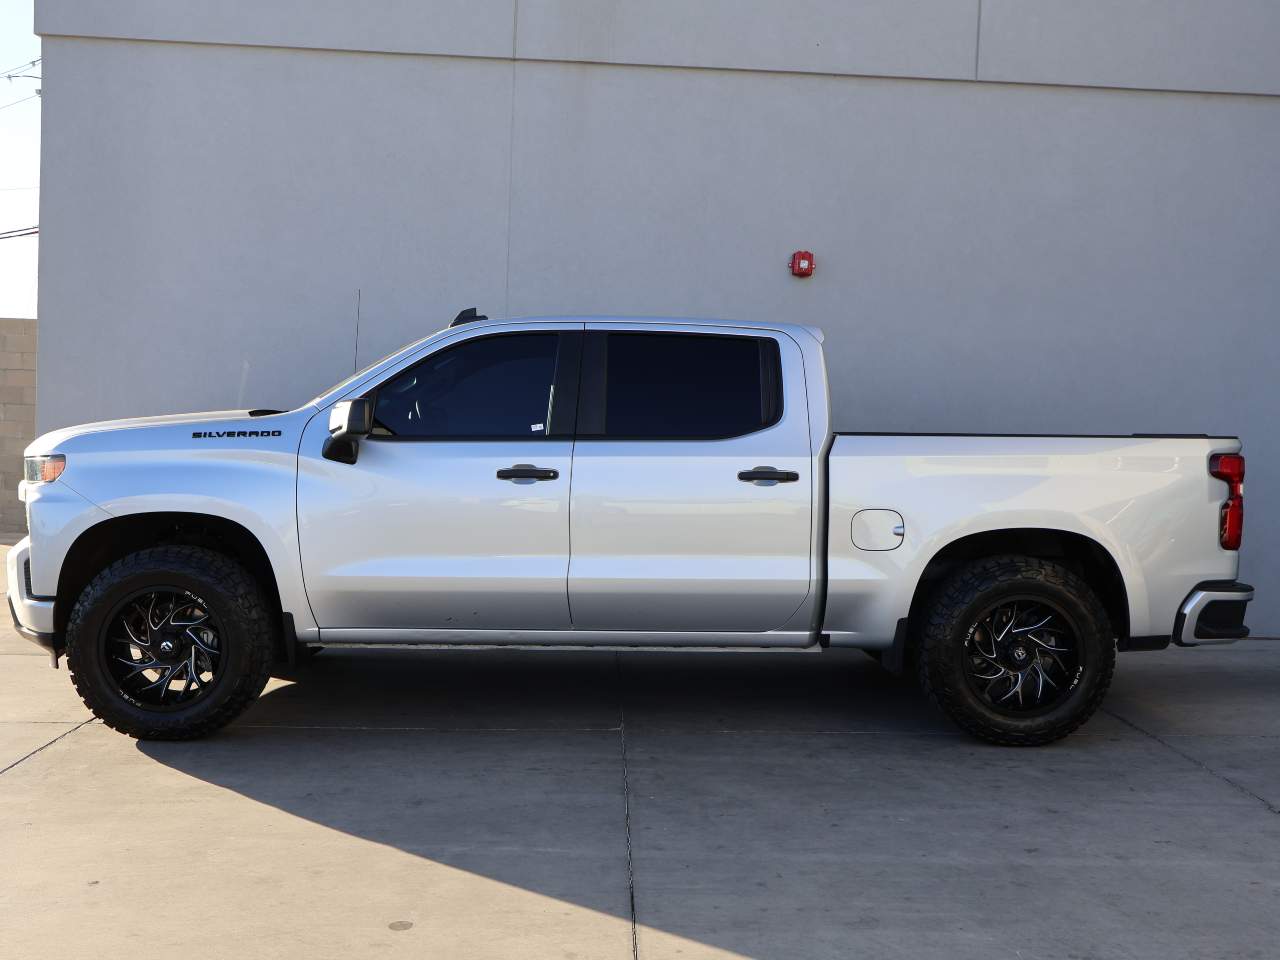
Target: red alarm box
802 264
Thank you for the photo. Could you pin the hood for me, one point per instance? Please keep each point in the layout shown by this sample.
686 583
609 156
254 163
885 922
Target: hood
54 439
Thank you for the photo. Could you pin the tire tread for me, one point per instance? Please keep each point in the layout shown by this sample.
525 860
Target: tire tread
959 592
249 607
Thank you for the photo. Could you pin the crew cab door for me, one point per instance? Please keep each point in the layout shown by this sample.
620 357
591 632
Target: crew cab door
455 515
692 481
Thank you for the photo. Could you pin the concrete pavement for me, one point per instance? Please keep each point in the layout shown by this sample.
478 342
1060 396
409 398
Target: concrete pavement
503 805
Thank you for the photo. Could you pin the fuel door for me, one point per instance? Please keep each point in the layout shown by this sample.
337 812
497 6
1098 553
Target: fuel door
878 530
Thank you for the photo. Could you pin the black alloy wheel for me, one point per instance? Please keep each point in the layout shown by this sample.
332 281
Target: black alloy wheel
163 648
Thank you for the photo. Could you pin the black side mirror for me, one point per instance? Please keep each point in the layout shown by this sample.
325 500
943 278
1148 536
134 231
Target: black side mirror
349 420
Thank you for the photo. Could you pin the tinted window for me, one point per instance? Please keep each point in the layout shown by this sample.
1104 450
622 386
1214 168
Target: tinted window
684 386
497 387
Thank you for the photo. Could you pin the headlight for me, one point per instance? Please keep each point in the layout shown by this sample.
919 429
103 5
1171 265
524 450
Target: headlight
44 469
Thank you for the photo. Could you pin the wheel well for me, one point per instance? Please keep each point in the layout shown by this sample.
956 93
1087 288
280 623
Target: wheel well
106 542
1085 557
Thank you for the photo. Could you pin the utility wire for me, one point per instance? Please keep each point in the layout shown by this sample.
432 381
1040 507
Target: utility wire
24 65
16 102
21 232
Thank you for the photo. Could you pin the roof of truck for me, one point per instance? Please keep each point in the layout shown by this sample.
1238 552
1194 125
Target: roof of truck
813 331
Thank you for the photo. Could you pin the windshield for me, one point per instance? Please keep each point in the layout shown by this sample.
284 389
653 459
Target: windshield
347 381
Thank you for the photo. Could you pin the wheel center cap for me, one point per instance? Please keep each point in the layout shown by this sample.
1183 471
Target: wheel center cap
1019 654
167 646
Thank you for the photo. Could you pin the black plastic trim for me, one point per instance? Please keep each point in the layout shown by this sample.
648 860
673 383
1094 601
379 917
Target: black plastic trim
778 476
31 593
822 501
50 641
289 638
469 315
528 473
565 385
1129 644
894 659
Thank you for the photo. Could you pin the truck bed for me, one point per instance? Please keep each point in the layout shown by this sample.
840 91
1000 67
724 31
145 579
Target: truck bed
1147 500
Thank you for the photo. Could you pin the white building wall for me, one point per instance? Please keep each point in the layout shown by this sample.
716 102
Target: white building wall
1048 253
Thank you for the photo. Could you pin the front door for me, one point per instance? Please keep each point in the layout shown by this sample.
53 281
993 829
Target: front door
692 483
455 515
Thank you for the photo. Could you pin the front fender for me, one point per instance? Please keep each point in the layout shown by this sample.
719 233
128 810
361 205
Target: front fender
223 472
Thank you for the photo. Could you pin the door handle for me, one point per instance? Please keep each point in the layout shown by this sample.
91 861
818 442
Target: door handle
527 471
768 473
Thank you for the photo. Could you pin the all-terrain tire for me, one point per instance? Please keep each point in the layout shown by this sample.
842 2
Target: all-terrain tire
956 608
232 596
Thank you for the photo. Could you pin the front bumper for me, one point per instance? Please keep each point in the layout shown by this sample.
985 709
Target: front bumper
1213 613
32 615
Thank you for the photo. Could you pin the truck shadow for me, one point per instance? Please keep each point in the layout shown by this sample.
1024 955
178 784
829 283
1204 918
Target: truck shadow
756 786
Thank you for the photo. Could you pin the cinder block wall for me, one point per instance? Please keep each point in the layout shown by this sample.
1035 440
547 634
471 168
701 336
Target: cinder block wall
17 416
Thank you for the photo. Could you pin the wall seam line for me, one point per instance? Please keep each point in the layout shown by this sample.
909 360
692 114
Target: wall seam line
511 150
977 44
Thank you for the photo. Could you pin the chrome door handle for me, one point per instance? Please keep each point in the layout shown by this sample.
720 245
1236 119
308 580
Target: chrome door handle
527 471
768 473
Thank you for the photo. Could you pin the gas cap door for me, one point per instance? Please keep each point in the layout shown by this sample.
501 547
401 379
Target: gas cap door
878 529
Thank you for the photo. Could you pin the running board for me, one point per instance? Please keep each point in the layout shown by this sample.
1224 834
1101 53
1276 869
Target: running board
564 647
435 638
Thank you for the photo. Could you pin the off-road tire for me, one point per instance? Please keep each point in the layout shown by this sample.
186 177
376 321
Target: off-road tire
956 607
233 596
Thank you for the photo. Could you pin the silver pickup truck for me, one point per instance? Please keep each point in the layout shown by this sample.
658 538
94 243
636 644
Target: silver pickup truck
618 483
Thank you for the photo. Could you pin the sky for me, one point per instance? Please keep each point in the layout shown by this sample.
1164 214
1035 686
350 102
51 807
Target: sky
19 160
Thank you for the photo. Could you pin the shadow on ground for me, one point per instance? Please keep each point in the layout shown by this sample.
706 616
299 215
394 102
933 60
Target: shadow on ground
792 806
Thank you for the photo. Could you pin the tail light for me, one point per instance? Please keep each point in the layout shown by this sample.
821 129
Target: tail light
1229 467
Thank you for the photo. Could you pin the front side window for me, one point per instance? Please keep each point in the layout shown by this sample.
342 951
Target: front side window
489 388
678 386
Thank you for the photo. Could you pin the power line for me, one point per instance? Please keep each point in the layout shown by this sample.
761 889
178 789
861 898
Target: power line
16 102
23 66
21 232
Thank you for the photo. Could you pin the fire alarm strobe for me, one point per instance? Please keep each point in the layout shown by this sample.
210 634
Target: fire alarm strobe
802 264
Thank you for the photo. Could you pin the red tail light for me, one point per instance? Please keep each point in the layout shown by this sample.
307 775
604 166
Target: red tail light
1229 467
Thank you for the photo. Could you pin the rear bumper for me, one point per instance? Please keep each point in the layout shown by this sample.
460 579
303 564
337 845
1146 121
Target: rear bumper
1213 613
32 616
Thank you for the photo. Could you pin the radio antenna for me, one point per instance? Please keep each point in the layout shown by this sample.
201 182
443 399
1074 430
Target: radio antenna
355 352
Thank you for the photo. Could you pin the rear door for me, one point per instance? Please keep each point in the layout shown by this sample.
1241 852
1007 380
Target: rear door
692 482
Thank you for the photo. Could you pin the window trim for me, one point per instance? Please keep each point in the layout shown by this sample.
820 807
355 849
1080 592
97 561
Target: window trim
564 386
593 388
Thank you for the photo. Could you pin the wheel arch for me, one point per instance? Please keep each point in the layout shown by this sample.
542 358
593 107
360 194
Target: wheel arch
110 540
1082 554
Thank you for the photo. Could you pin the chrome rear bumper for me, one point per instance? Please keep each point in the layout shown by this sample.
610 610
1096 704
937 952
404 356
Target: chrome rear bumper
1213 613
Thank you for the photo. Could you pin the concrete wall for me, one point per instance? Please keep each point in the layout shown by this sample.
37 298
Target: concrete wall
1028 216
17 416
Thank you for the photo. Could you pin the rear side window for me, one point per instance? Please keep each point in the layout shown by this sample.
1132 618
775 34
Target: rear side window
678 386
488 388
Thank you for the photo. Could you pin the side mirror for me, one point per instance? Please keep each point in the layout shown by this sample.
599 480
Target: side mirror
349 420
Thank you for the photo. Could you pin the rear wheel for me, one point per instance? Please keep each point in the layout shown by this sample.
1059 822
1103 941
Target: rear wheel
1017 651
170 643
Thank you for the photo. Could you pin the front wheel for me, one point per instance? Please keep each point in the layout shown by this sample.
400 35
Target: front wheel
170 643
1017 651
